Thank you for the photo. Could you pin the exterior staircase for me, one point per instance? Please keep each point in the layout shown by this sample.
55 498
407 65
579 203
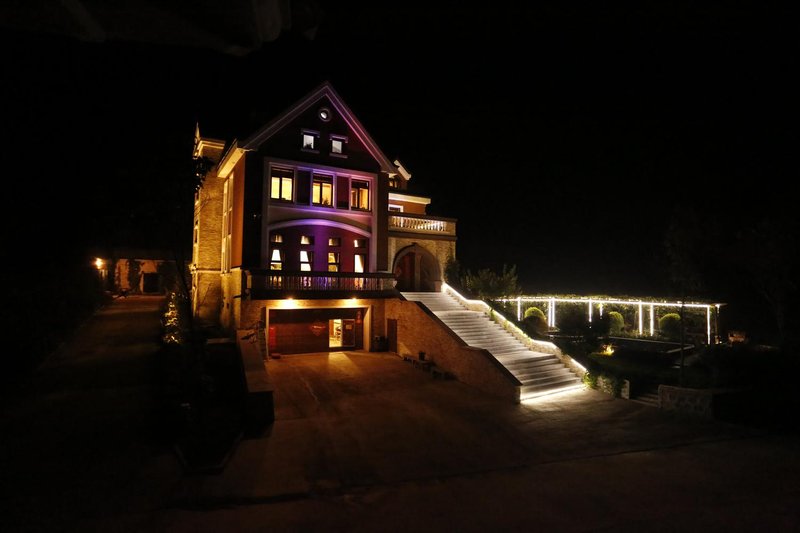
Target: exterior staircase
540 373
648 396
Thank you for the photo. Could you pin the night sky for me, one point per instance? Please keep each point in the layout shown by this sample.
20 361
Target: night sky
562 139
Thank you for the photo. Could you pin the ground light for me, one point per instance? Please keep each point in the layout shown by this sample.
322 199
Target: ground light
572 390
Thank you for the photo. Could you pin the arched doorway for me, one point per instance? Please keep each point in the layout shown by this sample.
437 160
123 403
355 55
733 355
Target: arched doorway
416 269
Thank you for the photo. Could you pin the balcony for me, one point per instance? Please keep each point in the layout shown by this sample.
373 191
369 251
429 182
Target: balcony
267 284
422 224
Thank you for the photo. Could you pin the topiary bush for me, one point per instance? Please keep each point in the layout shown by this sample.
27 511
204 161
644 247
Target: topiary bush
534 321
670 326
616 324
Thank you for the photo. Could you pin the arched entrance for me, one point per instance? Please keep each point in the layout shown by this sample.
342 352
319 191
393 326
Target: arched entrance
416 269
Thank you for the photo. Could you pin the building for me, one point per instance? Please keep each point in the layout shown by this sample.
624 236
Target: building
307 228
137 270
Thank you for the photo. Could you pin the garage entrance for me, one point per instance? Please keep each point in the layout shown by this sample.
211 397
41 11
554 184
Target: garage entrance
294 331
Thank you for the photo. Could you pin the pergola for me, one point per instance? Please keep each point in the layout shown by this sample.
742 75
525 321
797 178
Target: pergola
641 304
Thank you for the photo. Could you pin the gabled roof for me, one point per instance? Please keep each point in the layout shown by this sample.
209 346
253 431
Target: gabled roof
324 90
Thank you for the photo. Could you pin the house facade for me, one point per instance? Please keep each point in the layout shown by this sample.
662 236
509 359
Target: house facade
307 229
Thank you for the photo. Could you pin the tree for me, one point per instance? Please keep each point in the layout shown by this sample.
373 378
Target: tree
452 271
685 249
487 284
767 252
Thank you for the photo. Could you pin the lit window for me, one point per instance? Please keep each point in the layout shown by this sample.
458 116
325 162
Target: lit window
337 145
359 195
306 259
333 261
334 241
276 260
360 243
282 183
322 191
310 140
324 114
361 260
394 182
306 239
276 237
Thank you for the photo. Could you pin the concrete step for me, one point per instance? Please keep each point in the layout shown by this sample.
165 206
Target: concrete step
532 390
647 398
538 372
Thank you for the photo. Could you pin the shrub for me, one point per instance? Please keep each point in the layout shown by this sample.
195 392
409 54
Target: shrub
535 312
572 320
615 323
670 326
534 321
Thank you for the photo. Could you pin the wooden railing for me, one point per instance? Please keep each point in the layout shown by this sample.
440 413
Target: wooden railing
422 224
273 280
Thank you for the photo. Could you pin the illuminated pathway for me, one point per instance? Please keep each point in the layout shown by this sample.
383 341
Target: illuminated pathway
538 372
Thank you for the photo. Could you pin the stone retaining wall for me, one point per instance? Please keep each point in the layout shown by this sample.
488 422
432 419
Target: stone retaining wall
695 402
419 330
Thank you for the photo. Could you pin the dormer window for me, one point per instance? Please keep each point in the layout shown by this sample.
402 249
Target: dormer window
310 140
338 145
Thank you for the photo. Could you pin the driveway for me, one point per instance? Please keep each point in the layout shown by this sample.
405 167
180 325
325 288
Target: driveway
365 442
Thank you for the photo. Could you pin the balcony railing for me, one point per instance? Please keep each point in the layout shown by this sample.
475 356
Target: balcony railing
349 282
422 224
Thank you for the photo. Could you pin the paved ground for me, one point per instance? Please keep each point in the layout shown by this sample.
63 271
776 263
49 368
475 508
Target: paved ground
365 442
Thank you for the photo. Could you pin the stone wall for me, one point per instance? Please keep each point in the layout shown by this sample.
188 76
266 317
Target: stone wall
417 330
207 297
695 402
206 252
440 249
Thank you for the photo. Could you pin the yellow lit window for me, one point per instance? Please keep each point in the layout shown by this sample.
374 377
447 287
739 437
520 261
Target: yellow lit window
333 261
359 195
281 184
322 191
